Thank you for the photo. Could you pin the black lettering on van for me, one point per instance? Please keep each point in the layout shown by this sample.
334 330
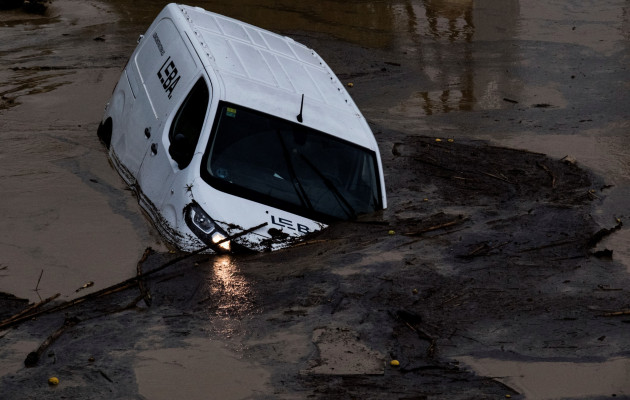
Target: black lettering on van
285 223
168 76
158 43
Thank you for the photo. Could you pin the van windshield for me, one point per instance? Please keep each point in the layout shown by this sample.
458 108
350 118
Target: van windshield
290 166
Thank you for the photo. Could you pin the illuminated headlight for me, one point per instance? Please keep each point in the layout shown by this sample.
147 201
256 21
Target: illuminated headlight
219 240
205 228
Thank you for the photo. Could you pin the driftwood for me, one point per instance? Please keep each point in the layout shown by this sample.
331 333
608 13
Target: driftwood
413 321
549 245
483 250
34 356
28 310
617 313
146 296
549 172
501 178
448 224
121 285
103 292
39 280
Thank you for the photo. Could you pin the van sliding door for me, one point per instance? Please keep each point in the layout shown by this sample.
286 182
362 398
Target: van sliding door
165 170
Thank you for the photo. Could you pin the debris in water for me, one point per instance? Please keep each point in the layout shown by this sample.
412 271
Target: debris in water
604 254
85 286
570 160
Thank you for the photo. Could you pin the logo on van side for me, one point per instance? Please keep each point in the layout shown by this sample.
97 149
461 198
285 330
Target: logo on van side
168 76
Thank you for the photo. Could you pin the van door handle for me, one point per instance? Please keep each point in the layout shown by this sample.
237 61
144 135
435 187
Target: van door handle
147 132
154 148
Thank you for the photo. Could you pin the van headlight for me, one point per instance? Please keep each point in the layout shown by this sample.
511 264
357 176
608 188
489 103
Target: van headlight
205 228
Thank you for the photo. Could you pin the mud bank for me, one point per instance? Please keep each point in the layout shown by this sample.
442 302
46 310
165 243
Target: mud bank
485 253
488 263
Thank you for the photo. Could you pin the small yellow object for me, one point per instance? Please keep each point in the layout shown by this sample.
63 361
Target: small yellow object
438 140
391 232
425 199
53 381
415 291
394 363
508 396
451 140
350 84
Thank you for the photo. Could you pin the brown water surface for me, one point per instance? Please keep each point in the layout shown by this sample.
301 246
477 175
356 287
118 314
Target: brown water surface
548 76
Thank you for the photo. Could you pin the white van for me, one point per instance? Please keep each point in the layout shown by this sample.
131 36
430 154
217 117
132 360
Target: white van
237 138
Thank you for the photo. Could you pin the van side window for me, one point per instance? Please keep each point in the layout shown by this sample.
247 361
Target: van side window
187 124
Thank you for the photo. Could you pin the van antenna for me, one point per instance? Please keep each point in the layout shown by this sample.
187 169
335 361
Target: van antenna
299 116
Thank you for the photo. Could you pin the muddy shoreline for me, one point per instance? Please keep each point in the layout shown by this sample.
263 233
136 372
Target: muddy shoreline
487 257
474 268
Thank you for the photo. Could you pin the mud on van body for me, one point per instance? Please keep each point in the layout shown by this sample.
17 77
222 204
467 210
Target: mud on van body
237 138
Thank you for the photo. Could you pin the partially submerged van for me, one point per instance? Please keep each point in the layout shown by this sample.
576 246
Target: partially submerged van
237 138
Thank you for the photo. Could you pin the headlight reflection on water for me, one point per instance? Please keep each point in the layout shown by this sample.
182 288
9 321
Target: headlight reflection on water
230 292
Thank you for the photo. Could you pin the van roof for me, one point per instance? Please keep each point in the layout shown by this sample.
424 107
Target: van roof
269 72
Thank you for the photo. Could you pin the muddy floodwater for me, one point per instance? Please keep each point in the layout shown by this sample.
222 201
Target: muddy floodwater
500 268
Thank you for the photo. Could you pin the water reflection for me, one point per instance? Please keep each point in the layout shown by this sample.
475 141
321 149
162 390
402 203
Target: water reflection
369 23
230 293
446 35
438 36
451 19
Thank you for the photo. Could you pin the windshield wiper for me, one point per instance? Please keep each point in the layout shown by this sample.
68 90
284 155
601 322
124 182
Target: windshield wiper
348 209
297 186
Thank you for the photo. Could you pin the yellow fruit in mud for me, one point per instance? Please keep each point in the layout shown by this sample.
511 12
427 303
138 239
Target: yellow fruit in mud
451 140
350 84
53 381
438 140
391 232
394 363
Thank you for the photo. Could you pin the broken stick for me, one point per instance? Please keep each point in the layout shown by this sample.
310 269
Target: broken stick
448 224
146 296
126 283
29 309
617 313
34 356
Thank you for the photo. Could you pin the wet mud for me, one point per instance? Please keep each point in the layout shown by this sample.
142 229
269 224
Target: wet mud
505 269
490 264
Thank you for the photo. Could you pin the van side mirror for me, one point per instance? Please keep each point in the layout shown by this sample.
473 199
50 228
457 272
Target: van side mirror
179 151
